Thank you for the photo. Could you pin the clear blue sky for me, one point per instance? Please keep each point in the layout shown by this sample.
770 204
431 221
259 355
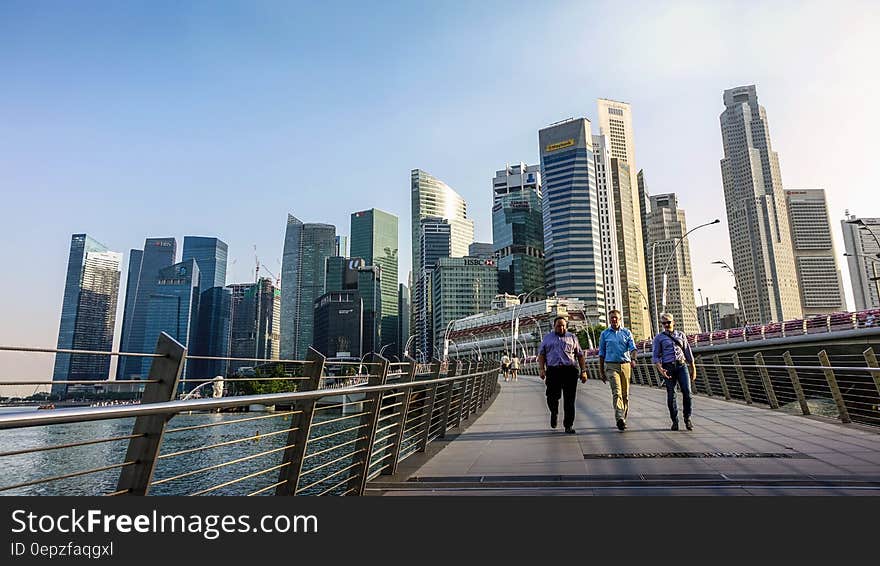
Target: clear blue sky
134 119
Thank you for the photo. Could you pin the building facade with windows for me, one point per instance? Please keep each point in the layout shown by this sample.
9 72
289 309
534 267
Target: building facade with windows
462 286
861 240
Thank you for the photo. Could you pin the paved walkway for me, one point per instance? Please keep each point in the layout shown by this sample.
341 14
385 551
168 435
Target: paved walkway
734 449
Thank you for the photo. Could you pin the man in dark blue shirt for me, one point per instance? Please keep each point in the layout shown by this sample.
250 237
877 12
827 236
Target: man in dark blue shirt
673 357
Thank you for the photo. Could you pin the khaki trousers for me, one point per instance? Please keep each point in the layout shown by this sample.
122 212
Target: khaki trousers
618 376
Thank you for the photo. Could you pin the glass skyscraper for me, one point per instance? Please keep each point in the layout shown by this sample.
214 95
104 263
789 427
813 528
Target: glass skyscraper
306 249
572 243
88 311
211 336
518 230
158 254
374 238
256 320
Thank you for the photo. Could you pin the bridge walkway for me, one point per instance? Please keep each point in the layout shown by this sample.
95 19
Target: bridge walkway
734 449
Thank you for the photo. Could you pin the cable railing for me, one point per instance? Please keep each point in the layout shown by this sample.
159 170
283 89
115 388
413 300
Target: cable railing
328 434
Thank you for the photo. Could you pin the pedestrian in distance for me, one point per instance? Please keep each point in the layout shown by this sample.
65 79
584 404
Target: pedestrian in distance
559 356
514 367
505 367
675 363
617 357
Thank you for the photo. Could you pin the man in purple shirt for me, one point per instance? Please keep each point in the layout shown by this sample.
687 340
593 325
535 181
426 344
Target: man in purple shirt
673 357
556 366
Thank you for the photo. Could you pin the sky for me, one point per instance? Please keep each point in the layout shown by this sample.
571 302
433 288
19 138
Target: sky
128 120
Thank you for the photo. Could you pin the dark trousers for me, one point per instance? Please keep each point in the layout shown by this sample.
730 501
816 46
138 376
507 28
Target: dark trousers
680 376
562 381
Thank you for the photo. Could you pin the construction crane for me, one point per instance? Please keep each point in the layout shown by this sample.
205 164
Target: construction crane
258 264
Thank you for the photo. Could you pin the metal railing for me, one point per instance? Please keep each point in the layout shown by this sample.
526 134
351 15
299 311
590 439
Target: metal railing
319 441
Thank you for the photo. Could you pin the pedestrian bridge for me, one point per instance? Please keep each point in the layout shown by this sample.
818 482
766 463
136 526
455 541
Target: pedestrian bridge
800 419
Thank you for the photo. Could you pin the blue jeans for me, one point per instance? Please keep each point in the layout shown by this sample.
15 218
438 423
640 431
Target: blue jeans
679 375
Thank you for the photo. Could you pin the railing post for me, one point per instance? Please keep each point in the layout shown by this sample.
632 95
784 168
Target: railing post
724 390
447 402
742 379
429 405
835 389
871 359
796 383
705 375
300 427
765 377
463 407
364 446
407 378
473 398
144 450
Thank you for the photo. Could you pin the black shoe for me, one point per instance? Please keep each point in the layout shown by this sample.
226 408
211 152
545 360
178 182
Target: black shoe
552 421
674 425
688 425
569 430
621 424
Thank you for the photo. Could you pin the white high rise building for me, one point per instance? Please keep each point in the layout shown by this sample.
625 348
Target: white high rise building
818 274
760 240
860 239
607 222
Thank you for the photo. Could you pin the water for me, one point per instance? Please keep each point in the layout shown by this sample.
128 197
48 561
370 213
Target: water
269 432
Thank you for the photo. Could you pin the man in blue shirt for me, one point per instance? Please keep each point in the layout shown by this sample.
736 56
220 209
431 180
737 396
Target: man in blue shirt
556 366
617 357
673 358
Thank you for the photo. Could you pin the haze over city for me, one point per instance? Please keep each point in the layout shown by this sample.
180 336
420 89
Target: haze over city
128 122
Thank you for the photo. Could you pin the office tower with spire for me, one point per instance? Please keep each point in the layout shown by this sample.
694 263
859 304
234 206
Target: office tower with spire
757 217
667 223
616 122
572 240
306 249
819 279
518 230
88 311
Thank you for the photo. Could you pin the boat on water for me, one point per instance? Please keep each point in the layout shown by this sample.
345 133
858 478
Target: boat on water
47 406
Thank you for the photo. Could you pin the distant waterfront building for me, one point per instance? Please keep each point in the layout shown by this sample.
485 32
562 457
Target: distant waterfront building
158 253
616 122
435 241
860 240
572 240
172 307
135 257
374 238
341 246
403 317
666 224
462 286
607 223
306 249
518 230
481 250
88 311
211 336
819 279
256 323
717 316
757 217
645 204
339 324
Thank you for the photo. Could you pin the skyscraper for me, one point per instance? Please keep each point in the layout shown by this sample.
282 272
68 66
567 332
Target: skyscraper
88 311
860 239
256 321
462 286
374 238
517 230
607 223
615 122
572 240
819 278
482 250
667 223
645 205
135 257
158 254
757 219
341 246
339 324
211 335
403 328
434 199
306 249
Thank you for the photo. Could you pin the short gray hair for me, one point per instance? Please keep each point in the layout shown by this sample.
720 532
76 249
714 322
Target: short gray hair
667 316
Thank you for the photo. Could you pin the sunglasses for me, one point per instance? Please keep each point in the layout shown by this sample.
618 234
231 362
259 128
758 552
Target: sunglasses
665 322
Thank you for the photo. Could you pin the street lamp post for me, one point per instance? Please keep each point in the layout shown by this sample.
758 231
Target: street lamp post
513 311
672 254
647 307
730 270
382 349
408 342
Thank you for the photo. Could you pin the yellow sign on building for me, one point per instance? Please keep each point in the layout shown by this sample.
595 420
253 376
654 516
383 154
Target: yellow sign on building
559 145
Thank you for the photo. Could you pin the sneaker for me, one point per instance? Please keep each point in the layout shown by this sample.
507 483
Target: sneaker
569 430
688 425
621 424
552 421
674 425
